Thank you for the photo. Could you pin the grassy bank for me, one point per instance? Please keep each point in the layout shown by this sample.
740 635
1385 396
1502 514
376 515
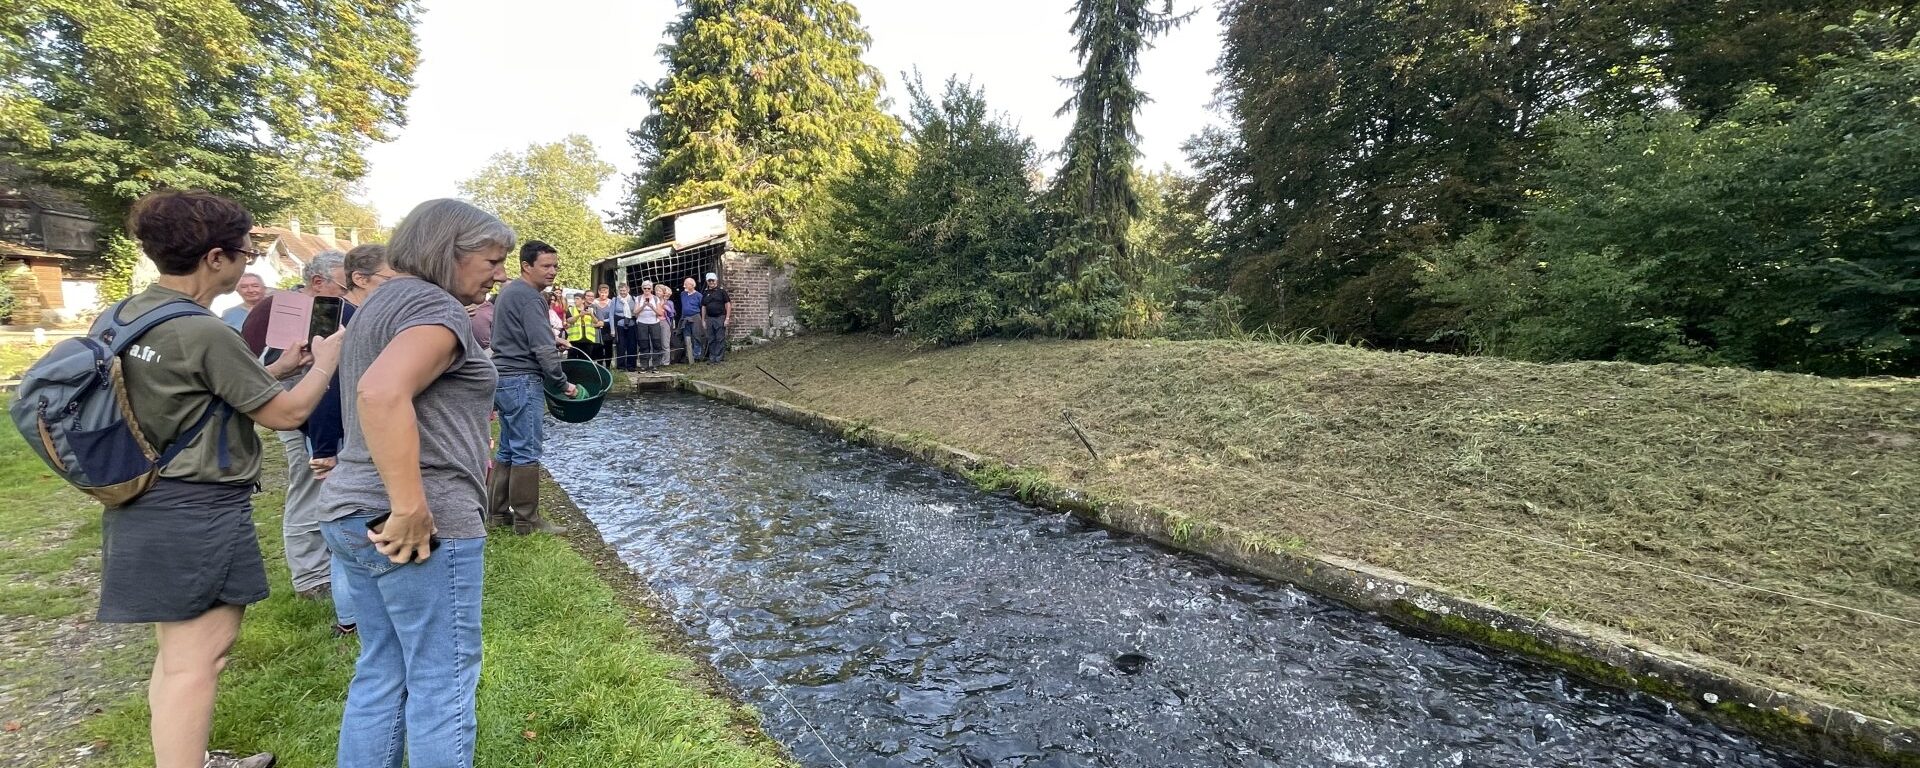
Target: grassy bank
573 673
1494 479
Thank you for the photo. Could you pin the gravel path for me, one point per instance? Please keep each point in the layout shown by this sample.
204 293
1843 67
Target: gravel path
56 673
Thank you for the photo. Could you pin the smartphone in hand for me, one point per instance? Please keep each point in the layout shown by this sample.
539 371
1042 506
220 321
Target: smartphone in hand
374 525
325 319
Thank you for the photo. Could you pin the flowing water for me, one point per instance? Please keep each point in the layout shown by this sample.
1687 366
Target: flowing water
908 619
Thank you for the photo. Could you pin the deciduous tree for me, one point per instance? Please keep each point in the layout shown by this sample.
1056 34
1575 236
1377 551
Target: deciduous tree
543 194
111 99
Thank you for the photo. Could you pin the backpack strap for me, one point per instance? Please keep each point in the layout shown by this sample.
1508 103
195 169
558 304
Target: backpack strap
118 335
186 438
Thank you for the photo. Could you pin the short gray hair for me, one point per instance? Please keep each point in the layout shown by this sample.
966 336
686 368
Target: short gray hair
429 242
322 265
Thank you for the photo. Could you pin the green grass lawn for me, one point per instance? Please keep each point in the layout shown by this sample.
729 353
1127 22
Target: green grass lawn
572 674
1409 461
16 357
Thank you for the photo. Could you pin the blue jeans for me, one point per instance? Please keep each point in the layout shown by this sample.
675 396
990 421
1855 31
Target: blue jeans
522 406
343 614
412 695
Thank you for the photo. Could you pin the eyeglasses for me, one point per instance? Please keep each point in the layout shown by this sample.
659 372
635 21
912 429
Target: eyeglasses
383 275
252 256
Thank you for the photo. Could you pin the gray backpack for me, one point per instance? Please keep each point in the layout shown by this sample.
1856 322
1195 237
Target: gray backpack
72 408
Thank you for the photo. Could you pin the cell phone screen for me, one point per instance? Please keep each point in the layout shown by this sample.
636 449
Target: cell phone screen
325 319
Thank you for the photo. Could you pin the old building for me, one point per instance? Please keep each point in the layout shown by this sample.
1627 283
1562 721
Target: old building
49 253
698 243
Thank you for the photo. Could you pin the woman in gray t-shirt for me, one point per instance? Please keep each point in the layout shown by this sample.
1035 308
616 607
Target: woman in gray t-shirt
402 509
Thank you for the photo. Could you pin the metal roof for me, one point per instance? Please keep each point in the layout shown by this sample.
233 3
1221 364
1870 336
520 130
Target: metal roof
684 211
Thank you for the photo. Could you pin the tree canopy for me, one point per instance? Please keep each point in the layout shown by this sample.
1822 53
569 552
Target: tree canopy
1373 146
936 238
1781 235
544 193
1095 285
112 99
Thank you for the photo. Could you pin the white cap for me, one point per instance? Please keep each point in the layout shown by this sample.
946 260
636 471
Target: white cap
712 276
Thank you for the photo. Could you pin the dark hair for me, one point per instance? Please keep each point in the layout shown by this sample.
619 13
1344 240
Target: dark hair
365 260
176 227
530 252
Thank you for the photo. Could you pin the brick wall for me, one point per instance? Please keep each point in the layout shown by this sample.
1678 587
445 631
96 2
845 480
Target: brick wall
47 281
763 301
749 279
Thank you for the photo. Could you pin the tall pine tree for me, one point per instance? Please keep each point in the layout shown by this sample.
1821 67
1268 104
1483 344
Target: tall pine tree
1096 286
763 104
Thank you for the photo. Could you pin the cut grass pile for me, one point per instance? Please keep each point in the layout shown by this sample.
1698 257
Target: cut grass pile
568 675
1789 483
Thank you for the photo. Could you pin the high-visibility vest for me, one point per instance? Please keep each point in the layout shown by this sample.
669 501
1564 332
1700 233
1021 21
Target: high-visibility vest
580 327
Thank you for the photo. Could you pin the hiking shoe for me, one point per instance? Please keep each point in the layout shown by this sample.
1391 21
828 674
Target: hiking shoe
322 592
231 760
343 630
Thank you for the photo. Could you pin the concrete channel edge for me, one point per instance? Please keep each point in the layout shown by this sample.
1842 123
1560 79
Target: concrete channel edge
1786 718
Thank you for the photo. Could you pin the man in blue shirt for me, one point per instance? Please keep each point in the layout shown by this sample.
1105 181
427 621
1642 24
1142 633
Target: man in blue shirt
251 289
689 316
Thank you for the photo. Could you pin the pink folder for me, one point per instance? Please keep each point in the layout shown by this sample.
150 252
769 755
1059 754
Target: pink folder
292 315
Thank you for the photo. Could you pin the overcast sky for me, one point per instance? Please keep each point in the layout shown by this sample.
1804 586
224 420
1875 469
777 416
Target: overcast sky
498 75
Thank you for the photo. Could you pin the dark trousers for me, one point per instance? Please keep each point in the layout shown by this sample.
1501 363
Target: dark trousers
589 348
716 339
649 345
627 338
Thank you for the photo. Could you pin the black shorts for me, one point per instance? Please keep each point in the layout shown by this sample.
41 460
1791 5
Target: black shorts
177 551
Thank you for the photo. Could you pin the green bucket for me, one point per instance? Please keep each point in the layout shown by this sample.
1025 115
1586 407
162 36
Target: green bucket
590 380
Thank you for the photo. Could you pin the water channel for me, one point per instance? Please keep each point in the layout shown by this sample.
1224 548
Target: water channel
911 620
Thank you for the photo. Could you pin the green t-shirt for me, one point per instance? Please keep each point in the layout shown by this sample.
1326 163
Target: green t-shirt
181 368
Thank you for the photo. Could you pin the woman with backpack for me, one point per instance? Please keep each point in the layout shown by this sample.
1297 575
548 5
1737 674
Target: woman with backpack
183 555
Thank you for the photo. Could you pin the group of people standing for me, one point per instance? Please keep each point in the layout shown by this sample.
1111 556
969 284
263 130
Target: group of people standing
390 490
637 333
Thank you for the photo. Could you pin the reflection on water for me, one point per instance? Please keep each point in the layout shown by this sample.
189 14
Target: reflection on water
917 622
